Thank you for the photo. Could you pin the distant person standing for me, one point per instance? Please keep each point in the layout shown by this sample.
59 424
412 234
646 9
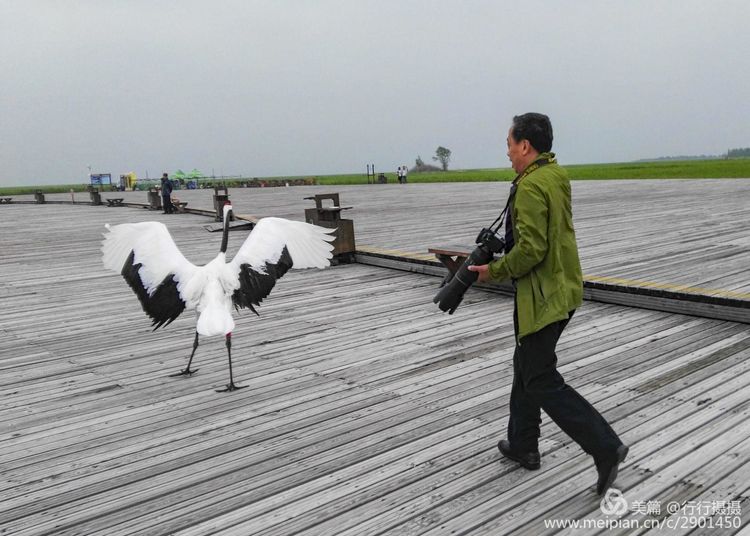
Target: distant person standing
404 171
399 174
166 194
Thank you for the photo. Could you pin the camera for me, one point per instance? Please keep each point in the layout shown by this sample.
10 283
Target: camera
452 292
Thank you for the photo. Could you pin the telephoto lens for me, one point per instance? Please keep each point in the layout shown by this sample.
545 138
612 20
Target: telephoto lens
449 297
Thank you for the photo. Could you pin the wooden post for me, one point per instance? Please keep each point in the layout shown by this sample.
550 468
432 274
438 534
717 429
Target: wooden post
96 198
154 199
219 201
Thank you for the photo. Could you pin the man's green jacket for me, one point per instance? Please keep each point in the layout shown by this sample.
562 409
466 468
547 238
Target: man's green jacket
544 260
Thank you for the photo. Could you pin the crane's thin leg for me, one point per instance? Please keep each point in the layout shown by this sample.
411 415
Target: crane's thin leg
186 371
230 386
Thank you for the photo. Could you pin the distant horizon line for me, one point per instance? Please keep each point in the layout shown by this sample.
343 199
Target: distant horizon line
504 168
116 177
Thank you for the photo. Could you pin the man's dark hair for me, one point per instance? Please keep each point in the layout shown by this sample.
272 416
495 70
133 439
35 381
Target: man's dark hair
533 127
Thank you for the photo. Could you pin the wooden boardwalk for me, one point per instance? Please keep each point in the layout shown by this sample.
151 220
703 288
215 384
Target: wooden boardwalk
367 412
679 234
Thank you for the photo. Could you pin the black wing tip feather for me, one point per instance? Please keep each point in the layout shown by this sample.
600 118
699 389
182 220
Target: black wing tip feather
164 305
255 286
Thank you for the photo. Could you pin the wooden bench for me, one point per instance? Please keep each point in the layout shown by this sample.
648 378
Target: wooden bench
452 256
6 199
115 201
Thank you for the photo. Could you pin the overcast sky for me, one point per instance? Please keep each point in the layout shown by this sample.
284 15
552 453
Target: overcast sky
294 87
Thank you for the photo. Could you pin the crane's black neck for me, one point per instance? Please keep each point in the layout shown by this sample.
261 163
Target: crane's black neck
225 235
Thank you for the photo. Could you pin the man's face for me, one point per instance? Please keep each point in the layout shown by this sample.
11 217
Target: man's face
517 152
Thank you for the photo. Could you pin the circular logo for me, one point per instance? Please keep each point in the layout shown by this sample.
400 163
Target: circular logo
613 503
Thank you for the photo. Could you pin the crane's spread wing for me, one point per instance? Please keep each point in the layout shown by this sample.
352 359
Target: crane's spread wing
274 246
149 260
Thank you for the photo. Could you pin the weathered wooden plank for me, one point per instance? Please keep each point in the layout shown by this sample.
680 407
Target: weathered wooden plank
495 505
387 499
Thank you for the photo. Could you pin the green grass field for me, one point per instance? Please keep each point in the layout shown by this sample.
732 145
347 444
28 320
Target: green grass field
666 169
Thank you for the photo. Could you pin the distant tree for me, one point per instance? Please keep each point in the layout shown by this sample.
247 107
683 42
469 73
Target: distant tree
443 156
419 162
427 168
739 153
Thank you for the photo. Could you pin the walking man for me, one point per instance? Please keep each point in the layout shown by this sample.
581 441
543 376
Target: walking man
541 257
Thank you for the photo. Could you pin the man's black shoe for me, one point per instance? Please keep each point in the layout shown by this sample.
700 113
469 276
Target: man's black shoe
529 460
608 470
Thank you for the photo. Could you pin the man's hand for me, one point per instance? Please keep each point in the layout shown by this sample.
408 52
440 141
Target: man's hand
483 270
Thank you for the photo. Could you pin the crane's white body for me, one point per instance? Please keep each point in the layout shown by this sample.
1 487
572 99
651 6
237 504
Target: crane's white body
209 288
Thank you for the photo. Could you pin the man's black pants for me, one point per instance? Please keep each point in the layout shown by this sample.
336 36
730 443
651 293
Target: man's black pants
166 202
538 385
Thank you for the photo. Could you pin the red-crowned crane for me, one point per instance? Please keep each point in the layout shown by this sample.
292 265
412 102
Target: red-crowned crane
166 283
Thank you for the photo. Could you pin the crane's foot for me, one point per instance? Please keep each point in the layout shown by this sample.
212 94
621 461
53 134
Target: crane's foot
231 387
183 372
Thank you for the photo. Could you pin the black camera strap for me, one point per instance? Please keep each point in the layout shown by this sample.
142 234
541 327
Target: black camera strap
514 186
501 217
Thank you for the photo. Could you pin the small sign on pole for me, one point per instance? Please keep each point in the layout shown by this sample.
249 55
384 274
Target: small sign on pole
98 179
